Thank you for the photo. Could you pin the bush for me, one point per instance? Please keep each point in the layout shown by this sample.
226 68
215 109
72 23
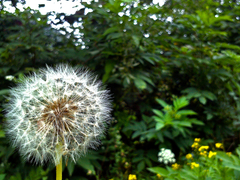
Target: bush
170 69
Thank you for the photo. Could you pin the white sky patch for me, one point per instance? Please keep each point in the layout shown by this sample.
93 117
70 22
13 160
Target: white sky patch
63 6
67 7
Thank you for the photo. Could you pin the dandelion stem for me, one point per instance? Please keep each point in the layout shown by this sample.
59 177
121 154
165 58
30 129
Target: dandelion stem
59 165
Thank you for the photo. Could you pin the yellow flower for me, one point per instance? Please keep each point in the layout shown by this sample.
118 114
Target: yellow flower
211 154
111 179
203 148
189 156
219 145
193 165
195 145
197 140
229 153
203 153
159 176
175 166
132 177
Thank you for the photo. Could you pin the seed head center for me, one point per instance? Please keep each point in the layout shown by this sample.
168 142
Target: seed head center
59 115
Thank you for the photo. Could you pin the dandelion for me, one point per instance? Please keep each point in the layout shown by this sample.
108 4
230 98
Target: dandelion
132 177
193 165
189 156
219 145
166 156
57 112
211 154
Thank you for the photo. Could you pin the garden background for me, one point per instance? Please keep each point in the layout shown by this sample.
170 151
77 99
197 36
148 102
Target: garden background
173 72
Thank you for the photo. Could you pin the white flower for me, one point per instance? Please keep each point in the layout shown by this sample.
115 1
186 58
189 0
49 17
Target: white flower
166 156
9 77
59 105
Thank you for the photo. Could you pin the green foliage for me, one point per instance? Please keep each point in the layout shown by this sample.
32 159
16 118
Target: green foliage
173 121
147 55
202 165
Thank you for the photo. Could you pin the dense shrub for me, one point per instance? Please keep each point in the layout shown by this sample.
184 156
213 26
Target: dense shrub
173 71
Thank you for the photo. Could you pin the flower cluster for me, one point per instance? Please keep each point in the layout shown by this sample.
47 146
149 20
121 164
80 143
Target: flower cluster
166 156
219 145
132 177
9 77
175 166
57 107
196 143
189 156
203 149
193 165
211 154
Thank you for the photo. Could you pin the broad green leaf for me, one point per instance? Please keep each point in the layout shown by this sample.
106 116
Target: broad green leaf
4 91
162 103
235 167
160 136
195 121
183 123
141 166
224 157
145 78
159 126
86 164
95 51
140 84
180 103
70 167
137 159
136 134
136 40
2 176
209 95
158 112
148 162
114 36
186 112
229 46
203 100
2 133
192 92
108 68
158 170
111 30
147 58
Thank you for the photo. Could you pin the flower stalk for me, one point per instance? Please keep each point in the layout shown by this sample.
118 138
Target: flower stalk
59 165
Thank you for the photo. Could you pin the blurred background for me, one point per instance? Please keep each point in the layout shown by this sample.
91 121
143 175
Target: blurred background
172 68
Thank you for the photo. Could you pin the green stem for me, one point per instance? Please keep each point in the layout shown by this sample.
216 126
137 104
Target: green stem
59 165
59 170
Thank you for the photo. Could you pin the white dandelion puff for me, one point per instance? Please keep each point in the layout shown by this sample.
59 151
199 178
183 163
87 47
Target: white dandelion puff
59 105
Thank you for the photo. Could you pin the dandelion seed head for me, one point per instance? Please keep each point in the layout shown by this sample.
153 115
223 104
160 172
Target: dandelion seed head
59 105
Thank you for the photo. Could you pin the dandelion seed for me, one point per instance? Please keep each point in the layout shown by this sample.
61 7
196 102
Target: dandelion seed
63 108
